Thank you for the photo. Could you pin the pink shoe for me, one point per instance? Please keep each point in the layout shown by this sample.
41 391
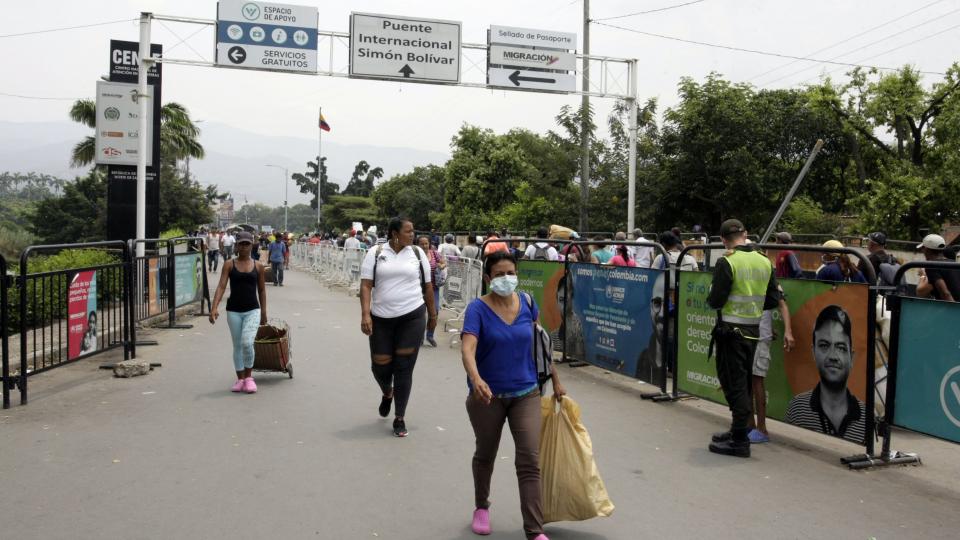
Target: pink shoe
237 386
481 521
249 386
541 537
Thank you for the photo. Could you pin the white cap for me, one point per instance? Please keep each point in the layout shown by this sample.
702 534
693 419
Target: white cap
933 241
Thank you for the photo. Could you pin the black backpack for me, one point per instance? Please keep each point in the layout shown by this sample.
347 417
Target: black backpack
888 271
540 253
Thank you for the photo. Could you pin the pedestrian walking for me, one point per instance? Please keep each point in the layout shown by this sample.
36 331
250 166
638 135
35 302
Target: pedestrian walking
227 243
213 250
837 266
246 308
744 285
287 239
277 251
471 250
438 267
396 295
497 354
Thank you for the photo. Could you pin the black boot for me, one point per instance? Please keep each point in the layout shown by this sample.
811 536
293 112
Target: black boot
721 436
731 448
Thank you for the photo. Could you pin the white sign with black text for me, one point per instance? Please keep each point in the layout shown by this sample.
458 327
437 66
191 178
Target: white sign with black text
403 48
502 55
118 124
260 35
530 37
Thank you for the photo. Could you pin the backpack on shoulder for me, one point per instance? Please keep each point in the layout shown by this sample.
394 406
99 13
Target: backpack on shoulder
541 253
542 347
888 271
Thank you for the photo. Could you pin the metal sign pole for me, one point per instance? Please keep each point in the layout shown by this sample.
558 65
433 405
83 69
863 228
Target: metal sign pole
632 165
793 190
142 100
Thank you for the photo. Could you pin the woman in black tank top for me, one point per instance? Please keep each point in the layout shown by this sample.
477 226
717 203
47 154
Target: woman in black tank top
246 308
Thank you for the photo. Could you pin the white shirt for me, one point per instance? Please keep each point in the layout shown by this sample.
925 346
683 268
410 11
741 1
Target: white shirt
351 243
229 240
396 290
643 255
689 263
471 251
213 242
552 254
449 250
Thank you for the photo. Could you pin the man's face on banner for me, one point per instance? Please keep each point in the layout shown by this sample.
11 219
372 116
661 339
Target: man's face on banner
833 353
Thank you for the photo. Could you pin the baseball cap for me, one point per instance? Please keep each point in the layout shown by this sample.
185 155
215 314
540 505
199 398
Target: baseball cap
784 237
832 244
933 241
877 238
731 226
244 236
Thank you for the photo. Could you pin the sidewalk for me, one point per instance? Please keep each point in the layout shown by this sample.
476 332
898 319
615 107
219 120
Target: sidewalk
175 454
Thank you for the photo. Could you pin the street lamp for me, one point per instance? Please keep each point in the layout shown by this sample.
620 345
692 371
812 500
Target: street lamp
286 193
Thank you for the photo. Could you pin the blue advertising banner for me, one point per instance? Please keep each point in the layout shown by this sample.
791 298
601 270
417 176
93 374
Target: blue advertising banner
619 311
928 368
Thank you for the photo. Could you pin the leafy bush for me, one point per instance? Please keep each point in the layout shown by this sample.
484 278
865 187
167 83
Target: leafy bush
173 233
47 296
13 240
806 216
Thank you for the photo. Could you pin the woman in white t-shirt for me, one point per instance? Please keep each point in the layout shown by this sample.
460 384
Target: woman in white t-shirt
396 293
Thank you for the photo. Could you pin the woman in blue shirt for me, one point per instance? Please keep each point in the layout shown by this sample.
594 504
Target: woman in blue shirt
497 349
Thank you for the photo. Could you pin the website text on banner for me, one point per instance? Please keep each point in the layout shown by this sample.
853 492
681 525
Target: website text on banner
928 368
829 359
619 311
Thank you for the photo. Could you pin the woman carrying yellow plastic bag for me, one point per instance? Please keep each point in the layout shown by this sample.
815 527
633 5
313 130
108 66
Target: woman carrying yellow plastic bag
571 487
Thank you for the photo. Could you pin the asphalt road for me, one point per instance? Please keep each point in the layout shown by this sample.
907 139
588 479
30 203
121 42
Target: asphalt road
175 454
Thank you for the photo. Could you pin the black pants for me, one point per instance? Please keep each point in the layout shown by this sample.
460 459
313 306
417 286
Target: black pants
277 272
389 336
734 368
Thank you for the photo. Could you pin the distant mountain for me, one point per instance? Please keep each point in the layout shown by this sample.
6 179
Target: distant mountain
236 159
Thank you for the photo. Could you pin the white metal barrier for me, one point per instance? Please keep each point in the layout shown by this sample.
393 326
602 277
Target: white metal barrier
334 266
463 285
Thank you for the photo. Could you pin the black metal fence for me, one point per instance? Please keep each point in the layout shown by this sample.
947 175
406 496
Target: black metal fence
59 315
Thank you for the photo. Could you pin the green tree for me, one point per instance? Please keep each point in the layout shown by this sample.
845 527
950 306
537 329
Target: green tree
342 210
417 195
307 182
362 181
77 216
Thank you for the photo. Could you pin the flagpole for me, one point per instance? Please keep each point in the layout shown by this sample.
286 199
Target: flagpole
319 162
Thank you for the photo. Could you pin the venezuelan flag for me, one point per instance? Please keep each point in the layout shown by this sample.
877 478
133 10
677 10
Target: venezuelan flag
323 123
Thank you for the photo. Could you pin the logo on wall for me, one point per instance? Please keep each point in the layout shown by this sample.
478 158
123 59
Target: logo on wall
111 113
111 152
950 395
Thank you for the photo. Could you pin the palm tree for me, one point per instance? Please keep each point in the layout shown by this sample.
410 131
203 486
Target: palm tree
178 133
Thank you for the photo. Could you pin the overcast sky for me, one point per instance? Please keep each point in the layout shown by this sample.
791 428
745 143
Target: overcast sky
66 64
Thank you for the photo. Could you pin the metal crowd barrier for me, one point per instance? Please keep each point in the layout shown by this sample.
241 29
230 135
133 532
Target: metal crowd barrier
334 266
48 334
463 285
923 387
870 375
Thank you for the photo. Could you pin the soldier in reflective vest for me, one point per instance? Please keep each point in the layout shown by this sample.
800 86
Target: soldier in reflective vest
743 286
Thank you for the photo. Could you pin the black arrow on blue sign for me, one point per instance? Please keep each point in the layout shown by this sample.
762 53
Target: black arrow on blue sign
515 78
407 71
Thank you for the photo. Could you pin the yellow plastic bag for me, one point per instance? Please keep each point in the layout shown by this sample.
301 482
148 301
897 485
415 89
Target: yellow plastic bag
570 483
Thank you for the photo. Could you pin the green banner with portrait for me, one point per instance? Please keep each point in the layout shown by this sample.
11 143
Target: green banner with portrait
820 384
544 281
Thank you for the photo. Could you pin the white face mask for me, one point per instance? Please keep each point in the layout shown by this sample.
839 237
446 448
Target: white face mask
504 285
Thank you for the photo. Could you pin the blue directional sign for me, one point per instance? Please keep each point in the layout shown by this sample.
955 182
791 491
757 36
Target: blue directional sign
260 35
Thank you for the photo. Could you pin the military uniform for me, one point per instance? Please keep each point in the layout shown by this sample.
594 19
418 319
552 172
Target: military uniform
744 285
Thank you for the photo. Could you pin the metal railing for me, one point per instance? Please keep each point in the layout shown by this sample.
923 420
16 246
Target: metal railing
56 327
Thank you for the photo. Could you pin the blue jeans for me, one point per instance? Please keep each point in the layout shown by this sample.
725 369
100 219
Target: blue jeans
243 330
277 272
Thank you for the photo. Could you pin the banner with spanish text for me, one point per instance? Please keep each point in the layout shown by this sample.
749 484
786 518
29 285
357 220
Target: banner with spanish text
820 384
618 317
82 314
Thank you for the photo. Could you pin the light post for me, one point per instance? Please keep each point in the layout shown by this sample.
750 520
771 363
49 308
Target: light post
286 193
